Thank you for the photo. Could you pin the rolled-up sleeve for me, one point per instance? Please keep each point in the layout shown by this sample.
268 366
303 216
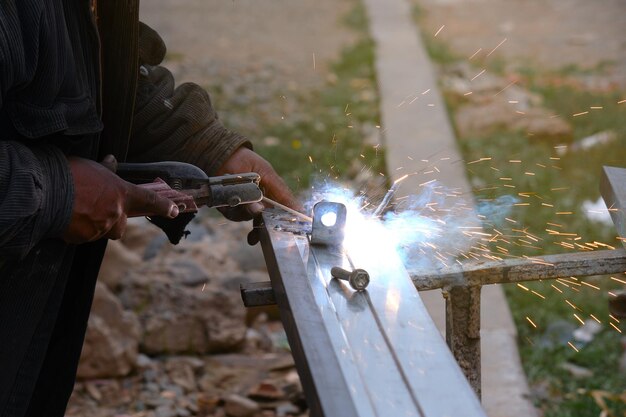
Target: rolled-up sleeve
176 123
36 196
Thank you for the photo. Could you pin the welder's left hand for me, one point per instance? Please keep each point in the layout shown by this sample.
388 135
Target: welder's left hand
245 160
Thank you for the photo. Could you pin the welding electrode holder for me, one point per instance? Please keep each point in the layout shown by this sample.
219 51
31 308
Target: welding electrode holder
358 279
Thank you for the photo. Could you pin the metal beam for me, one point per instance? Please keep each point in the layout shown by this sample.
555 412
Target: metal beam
527 269
613 190
579 264
368 353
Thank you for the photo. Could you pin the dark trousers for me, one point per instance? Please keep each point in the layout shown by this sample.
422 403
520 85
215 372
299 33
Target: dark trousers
44 308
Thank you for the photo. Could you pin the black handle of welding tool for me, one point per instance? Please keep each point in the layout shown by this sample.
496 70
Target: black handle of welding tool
177 175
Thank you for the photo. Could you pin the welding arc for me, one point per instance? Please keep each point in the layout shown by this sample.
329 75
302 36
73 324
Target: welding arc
288 209
383 204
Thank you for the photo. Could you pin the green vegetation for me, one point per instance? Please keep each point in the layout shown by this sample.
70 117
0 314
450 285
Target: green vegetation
549 185
550 188
558 184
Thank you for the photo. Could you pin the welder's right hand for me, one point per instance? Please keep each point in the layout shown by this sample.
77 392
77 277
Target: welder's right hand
103 201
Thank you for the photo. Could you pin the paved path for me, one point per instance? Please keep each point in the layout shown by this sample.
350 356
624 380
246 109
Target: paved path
417 135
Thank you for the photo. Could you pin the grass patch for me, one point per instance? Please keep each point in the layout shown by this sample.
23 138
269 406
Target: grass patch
549 190
533 194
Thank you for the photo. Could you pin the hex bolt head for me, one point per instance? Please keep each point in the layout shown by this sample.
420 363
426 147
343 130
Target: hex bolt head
358 279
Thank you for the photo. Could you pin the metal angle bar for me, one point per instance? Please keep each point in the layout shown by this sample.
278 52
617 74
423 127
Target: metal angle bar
329 381
423 357
613 190
580 264
599 262
375 358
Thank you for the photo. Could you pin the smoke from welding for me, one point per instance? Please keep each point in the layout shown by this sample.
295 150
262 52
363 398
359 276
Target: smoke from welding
432 229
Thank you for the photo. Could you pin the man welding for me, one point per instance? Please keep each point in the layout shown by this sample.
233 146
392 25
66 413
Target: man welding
79 83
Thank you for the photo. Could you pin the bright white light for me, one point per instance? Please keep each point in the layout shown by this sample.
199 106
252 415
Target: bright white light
329 219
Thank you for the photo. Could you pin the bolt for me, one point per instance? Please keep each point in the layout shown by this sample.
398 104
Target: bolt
358 279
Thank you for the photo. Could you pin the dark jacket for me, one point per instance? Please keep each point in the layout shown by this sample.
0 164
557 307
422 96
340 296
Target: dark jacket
51 106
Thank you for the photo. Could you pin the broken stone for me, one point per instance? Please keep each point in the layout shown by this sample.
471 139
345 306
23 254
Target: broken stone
266 391
286 409
238 406
587 332
111 342
576 371
189 273
118 259
178 319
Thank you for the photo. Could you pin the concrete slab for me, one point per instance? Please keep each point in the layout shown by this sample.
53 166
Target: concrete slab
418 136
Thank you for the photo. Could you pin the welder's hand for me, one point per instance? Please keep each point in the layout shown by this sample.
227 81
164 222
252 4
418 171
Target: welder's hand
273 186
103 201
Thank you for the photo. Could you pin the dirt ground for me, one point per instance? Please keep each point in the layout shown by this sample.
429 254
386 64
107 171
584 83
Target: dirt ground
210 41
549 33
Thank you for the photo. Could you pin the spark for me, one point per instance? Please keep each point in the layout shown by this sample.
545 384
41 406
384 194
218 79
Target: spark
510 84
564 213
440 29
531 322
479 160
615 327
313 60
468 93
595 318
538 295
478 75
556 288
572 346
596 107
621 102
613 317
497 46
579 319
618 280
590 285
523 287
580 114
515 161
311 158
426 92
476 53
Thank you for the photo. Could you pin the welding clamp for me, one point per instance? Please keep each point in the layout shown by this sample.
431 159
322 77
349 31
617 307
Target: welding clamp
190 188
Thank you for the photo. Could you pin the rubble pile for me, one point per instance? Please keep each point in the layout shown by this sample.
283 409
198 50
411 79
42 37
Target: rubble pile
169 336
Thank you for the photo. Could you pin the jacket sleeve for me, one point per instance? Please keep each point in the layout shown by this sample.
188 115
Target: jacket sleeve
36 196
175 123
36 188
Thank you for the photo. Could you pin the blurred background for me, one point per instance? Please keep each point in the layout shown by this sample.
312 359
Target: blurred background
535 91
